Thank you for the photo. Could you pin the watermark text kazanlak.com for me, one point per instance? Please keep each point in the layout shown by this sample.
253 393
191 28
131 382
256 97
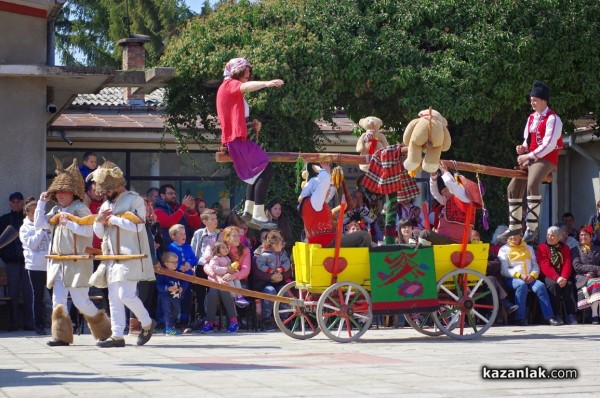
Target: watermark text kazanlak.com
526 372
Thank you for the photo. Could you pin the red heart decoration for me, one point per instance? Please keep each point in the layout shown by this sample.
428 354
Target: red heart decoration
328 264
455 259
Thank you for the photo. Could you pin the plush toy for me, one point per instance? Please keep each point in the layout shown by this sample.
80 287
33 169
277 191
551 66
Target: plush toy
371 140
428 133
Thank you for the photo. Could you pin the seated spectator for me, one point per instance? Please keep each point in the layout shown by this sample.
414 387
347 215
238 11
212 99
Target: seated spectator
241 254
497 241
200 206
493 272
271 271
565 237
521 270
405 231
152 194
276 215
586 265
169 212
595 222
554 258
221 265
569 220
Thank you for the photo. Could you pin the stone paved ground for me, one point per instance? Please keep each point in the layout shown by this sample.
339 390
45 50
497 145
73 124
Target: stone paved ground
386 362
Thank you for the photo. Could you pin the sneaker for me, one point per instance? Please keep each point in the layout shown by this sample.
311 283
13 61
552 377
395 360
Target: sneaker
233 327
571 320
529 235
269 325
146 333
207 328
241 302
509 307
555 321
172 332
111 342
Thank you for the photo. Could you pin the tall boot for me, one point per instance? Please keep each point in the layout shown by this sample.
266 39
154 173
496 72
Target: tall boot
99 325
62 329
515 216
534 205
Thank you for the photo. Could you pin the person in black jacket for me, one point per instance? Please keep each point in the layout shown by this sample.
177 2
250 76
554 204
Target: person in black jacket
12 255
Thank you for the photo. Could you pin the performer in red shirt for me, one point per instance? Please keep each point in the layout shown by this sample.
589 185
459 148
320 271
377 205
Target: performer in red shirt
249 160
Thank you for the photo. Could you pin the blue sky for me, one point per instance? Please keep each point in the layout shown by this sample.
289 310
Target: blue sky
195 5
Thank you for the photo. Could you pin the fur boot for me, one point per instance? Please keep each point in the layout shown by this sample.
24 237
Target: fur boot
62 329
99 325
134 326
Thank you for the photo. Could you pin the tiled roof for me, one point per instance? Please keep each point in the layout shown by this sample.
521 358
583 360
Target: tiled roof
113 96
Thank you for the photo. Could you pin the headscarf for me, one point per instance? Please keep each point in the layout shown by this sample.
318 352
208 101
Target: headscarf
583 248
235 65
518 252
556 257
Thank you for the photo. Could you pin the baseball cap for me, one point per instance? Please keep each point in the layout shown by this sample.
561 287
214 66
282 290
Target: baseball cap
16 195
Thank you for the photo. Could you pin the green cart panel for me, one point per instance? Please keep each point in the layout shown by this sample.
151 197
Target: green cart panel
403 279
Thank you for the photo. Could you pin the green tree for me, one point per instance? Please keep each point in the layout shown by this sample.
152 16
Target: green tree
87 30
472 61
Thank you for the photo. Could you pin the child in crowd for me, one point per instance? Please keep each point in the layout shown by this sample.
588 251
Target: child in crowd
35 246
170 291
405 231
187 260
273 259
220 264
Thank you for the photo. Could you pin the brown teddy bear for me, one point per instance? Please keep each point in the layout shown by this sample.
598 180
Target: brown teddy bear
428 133
371 140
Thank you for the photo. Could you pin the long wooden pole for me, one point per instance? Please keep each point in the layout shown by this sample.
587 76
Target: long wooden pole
227 288
291 157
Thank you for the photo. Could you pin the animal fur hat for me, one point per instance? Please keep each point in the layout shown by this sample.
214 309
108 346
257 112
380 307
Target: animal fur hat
69 180
108 177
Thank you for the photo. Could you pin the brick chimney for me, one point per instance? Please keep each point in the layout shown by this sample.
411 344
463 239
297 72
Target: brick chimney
134 58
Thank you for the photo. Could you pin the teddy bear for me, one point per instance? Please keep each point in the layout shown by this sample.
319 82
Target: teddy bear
371 140
428 133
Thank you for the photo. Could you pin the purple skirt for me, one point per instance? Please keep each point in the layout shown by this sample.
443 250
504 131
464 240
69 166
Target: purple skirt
249 159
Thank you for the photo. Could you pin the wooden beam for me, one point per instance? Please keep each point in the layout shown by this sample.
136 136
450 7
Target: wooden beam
290 157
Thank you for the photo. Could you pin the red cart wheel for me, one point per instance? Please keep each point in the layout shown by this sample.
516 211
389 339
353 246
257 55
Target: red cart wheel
298 322
468 304
344 311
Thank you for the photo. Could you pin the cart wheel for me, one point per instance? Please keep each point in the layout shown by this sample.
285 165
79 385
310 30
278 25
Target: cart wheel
468 304
296 321
344 311
422 322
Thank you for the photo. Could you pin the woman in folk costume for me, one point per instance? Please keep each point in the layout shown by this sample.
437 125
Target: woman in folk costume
539 155
317 216
121 226
71 232
386 175
586 263
251 163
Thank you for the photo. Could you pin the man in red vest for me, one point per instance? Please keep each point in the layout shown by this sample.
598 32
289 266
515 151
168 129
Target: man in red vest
539 155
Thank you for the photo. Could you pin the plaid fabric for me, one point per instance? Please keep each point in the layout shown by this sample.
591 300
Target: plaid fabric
387 174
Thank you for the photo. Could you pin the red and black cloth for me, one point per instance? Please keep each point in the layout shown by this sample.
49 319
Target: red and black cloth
387 175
